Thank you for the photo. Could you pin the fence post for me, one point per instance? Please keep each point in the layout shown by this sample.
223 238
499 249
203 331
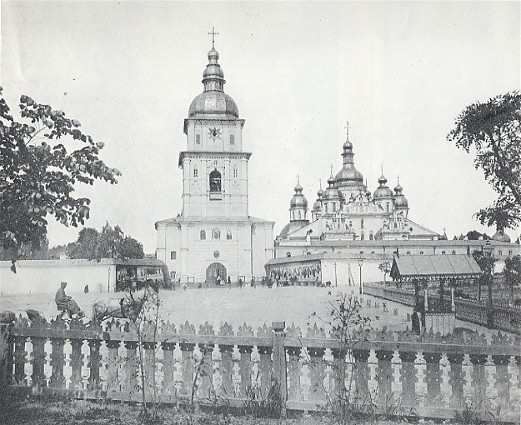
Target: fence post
279 362
6 350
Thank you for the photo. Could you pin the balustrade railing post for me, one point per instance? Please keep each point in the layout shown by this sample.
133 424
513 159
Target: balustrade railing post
20 359
187 367
456 379
206 369
502 381
38 375
149 368
131 370
433 378
408 378
76 364
265 370
94 365
279 362
112 367
57 380
317 370
384 376
245 369
339 371
226 370
479 379
361 372
294 389
168 387
6 350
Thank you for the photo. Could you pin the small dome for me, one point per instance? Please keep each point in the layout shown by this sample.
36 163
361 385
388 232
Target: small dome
400 201
348 175
213 104
320 192
331 192
501 236
298 200
317 206
347 146
383 190
291 227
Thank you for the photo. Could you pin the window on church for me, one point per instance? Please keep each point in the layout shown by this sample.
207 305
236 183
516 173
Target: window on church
288 254
202 235
510 253
421 252
197 139
235 173
362 223
362 236
215 181
387 207
196 172
500 253
408 252
453 251
173 255
350 224
443 252
216 234
334 207
229 235
232 139
371 236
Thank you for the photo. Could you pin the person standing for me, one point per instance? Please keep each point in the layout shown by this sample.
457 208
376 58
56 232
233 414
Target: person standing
415 321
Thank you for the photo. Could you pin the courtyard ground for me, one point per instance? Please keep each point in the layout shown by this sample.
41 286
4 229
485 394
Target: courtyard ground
254 306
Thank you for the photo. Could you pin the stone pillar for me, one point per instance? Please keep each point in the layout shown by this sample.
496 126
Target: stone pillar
227 370
76 364
265 369
294 390
168 387
57 379
94 364
317 372
20 359
408 378
112 367
502 381
433 378
7 319
206 369
339 371
361 371
479 379
149 367
245 369
187 367
38 375
384 375
456 379
131 368
279 362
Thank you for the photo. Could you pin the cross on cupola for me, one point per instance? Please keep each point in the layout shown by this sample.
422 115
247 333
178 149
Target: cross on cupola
347 129
213 34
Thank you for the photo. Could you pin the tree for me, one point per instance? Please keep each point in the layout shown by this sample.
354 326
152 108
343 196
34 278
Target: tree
512 272
385 268
109 243
474 235
42 158
486 264
493 131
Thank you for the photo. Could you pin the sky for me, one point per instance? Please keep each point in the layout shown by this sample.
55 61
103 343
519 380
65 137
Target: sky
399 72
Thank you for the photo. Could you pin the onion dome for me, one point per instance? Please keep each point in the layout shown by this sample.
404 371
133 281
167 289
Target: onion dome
298 200
383 190
348 175
317 205
501 236
331 192
400 201
213 103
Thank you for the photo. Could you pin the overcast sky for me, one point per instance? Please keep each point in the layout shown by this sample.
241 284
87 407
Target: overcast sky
399 72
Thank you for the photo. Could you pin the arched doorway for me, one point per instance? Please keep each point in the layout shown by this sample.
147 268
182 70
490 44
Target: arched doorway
215 273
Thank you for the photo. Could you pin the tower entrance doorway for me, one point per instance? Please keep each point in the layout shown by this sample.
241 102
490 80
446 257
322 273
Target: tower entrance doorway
216 274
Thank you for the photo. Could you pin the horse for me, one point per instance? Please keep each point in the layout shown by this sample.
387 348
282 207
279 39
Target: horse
128 307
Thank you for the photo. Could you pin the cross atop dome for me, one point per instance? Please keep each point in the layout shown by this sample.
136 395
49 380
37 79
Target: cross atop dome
347 129
213 34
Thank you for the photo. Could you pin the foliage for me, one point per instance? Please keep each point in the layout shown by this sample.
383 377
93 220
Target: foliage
39 172
259 406
110 243
474 235
493 131
385 268
512 272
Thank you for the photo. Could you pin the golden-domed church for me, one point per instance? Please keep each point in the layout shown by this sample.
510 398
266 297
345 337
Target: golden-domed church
214 239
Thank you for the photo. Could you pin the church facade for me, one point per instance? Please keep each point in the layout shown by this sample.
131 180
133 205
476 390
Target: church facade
214 239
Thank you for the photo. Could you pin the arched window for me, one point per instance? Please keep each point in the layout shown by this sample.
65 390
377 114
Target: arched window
288 254
443 252
235 173
216 234
196 172
453 251
350 224
421 252
300 215
408 252
215 181
371 236
202 235
500 253
362 223
362 236
229 234
387 207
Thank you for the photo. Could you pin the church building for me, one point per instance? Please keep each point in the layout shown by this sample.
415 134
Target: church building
214 238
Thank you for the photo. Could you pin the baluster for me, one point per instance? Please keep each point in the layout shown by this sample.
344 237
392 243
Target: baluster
76 364
294 390
433 378
112 367
131 388
149 368
361 371
57 362
227 370
19 360
265 370
168 388
317 370
245 369
38 375
384 376
457 379
408 378
94 365
187 367
502 382
479 379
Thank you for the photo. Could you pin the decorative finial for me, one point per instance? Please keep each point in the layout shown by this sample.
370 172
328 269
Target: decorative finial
213 34
347 129
398 179
298 180
331 170
382 168
320 183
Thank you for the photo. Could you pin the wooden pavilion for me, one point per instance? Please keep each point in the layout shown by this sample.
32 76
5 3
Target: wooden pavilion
435 271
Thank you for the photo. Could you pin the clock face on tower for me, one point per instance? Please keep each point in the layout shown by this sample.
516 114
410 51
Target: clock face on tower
214 133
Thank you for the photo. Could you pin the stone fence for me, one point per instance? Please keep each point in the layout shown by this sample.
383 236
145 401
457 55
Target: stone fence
504 317
428 375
